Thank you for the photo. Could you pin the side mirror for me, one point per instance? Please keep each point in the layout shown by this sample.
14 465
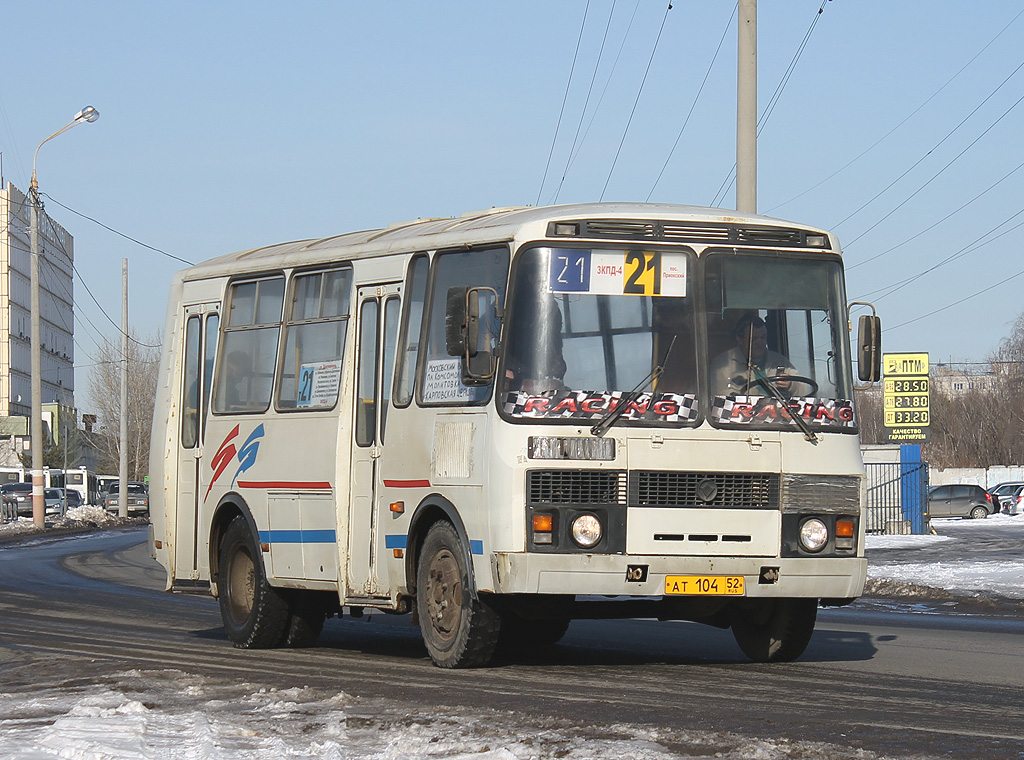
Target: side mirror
869 348
464 336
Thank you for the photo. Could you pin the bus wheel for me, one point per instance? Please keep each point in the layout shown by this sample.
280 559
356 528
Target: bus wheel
775 631
255 614
459 629
305 620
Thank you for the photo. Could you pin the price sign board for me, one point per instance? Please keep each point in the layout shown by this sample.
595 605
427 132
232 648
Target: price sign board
905 397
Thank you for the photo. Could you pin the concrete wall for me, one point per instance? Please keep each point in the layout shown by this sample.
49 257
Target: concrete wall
986 477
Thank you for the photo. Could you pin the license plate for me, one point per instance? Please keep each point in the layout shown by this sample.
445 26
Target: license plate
704 585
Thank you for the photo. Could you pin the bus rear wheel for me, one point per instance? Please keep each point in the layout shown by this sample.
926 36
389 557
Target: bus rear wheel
460 630
777 630
255 614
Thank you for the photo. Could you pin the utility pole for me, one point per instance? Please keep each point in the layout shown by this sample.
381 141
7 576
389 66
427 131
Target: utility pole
122 487
746 108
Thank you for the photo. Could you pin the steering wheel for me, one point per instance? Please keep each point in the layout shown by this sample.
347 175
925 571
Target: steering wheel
749 386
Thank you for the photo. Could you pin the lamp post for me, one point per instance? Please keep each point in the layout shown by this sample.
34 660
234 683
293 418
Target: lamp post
87 114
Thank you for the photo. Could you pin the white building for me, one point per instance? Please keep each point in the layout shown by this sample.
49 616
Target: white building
56 248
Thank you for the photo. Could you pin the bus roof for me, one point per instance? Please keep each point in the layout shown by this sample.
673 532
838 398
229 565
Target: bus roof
492 225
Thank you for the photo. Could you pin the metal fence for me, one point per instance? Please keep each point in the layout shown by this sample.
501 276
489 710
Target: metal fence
897 497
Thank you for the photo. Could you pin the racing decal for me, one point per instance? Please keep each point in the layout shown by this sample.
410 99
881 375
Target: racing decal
592 405
765 410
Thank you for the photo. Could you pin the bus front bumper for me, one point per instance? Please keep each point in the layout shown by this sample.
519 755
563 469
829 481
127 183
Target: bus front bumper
642 575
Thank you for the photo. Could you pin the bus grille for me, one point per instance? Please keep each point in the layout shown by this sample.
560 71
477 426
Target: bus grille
730 490
576 487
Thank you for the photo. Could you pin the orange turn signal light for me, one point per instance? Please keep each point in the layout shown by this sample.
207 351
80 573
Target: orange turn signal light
542 523
398 507
844 528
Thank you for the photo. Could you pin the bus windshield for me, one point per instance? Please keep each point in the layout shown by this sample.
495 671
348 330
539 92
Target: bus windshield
590 328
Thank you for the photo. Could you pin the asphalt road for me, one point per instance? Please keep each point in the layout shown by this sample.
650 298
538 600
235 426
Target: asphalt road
888 681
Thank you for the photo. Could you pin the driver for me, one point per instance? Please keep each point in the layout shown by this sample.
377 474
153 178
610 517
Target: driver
733 371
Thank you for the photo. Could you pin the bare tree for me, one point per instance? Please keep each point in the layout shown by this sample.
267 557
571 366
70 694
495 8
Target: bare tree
105 397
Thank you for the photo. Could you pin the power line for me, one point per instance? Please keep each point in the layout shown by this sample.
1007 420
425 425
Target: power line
604 90
116 232
637 100
904 121
565 98
934 147
772 102
694 103
940 221
586 102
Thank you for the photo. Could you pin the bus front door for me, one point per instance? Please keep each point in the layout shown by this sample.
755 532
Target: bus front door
202 323
377 330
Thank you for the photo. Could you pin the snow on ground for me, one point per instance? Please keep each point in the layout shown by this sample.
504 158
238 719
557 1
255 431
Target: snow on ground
76 517
170 715
957 559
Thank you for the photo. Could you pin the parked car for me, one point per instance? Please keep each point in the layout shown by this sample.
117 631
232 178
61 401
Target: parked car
18 498
54 501
960 501
74 498
1003 493
137 498
1014 505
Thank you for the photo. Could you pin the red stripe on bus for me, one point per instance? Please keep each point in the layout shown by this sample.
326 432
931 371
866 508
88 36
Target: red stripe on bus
297 485
407 483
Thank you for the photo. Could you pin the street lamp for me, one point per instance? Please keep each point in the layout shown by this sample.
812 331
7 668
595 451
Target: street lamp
87 114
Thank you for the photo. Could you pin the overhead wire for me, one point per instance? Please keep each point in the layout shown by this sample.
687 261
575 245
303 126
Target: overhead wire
639 92
902 122
772 102
940 221
117 232
604 90
934 148
693 105
565 98
586 102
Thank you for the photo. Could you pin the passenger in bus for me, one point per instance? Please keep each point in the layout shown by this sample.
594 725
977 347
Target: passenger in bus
237 368
735 371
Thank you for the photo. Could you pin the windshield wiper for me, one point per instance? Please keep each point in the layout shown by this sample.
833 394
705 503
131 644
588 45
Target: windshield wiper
612 415
769 385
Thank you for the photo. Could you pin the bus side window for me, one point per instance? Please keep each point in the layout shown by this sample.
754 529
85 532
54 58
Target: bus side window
314 340
190 386
245 369
412 323
442 374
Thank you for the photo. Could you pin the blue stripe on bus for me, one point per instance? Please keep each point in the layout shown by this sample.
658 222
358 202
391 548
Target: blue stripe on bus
402 542
298 536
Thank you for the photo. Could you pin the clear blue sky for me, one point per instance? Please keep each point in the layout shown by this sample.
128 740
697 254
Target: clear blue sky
229 125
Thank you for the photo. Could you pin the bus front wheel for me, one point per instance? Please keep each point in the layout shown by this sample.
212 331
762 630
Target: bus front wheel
460 630
776 630
255 614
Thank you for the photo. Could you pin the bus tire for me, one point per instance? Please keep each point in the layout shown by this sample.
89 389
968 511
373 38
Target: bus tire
775 631
459 629
255 614
305 620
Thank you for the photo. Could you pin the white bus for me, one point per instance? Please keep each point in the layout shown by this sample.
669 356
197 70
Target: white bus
506 421
85 482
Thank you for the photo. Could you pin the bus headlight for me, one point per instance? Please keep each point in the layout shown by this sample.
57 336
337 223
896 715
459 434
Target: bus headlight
586 531
813 535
